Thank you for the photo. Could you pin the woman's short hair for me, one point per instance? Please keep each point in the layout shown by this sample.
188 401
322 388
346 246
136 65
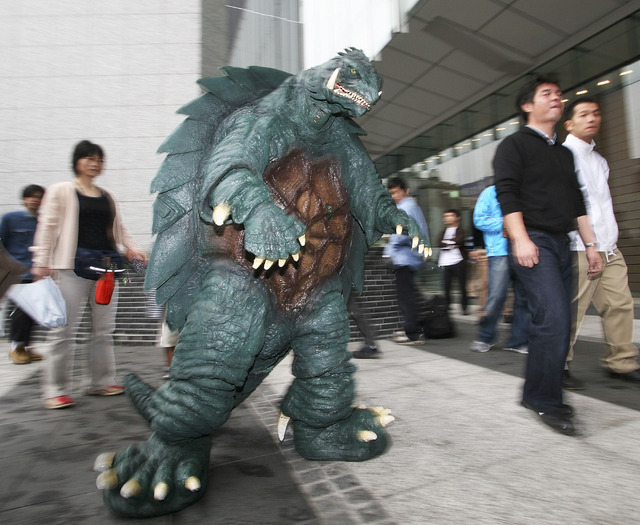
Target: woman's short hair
85 149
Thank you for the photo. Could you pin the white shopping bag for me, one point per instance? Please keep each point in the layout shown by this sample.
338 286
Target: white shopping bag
42 301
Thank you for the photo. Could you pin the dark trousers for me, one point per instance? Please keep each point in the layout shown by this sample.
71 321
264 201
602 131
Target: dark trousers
548 291
459 271
408 301
21 323
354 306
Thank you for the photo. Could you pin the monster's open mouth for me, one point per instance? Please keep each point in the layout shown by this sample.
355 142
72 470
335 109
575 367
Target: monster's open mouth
351 95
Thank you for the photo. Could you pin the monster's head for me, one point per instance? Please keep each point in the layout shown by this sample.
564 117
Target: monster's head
348 83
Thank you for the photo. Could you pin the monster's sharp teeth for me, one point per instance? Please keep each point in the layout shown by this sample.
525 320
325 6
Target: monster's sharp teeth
160 491
130 489
399 229
302 240
295 256
282 262
268 264
366 436
331 83
283 421
257 262
192 484
414 242
221 213
103 461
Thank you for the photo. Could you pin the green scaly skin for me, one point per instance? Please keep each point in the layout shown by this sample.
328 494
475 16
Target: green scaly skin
232 332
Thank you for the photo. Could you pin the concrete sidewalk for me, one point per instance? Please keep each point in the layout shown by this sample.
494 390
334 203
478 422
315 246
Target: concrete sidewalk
464 451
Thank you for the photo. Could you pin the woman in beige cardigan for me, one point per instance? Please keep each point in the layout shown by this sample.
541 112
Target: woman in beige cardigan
79 214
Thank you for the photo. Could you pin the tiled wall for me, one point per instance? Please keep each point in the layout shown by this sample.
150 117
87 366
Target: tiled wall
112 72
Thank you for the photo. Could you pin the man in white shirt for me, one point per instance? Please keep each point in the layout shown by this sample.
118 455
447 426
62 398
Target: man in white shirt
609 291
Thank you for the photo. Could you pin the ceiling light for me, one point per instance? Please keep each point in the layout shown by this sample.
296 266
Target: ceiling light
458 147
475 140
604 82
514 123
564 100
582 92
627 72
466 144
488 135
500 129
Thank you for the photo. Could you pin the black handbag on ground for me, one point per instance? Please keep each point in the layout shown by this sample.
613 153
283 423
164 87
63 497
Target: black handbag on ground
87 257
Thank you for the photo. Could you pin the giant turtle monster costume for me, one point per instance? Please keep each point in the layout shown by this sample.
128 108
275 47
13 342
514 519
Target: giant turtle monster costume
267 202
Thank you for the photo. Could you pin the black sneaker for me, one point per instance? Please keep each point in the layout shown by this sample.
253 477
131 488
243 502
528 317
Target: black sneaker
366 352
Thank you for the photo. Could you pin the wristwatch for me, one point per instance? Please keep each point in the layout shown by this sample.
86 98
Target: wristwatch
590 244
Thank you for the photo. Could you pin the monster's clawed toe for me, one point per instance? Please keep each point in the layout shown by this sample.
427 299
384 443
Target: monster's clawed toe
154 477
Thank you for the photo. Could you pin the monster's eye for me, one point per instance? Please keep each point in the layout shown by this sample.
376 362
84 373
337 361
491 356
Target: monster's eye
353 71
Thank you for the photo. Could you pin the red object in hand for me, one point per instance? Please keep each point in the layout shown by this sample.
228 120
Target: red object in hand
104 288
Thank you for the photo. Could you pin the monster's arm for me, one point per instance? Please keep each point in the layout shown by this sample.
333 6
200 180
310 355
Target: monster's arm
234 188
372 204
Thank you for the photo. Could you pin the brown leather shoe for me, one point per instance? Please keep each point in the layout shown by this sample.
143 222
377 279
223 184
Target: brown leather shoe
34 355
20 356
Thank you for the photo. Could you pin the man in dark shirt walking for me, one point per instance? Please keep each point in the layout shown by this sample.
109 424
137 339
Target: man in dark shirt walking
541 202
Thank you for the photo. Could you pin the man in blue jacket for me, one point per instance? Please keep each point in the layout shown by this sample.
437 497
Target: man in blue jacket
16 234
406 262
487 217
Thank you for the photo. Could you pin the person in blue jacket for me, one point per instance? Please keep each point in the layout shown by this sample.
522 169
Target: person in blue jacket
16 234
487 217
406 262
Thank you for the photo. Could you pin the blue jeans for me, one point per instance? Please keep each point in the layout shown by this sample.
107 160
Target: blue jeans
548 292
500 274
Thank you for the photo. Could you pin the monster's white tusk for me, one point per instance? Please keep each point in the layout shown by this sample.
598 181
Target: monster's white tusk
331 83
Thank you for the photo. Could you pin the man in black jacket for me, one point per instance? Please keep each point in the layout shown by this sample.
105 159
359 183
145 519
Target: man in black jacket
541 202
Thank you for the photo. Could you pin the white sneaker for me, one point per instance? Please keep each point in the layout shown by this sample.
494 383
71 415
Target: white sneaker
520 350
401 338
479 346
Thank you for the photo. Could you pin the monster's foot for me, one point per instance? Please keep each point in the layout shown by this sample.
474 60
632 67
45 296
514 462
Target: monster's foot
357 438
154 477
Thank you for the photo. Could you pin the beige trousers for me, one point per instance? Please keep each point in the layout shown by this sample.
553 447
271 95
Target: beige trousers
60 346
611 296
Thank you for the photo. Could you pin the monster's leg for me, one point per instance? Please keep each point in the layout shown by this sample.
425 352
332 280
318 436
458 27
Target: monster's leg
325 425
223 333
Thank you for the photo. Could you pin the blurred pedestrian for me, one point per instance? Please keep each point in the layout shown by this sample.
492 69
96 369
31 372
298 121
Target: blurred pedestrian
609 291
453 257
487 217
80 215
369 349
17 229
541 202
406 262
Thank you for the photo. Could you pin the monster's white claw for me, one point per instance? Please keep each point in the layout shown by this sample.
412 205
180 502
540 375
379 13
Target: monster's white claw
361 407
107 480
366 436
331 83
103 462
283 421
257 262
383 421
421 249
399 229
130 489
282 262
192 484
221 213
429 251
296 256
268 264
160 491
380 411
302 239
414 242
